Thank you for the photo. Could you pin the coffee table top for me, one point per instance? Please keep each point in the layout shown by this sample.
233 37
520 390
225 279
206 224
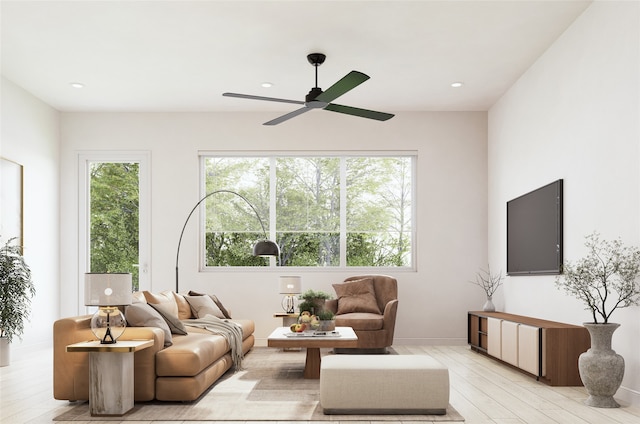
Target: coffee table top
346 338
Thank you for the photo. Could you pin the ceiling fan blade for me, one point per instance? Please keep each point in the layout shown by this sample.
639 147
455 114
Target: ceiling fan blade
348 82
287 116
269 99
363 113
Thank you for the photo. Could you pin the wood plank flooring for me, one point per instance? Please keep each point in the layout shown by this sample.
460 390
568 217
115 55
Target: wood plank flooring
482 390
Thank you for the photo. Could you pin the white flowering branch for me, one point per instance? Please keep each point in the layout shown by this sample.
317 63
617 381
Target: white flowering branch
609 269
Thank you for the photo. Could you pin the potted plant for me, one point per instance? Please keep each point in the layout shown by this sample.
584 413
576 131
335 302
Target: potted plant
16 291
327 320
604 280
489 283
313 301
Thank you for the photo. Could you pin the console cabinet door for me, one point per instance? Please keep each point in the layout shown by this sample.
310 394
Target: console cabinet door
510 342
494 337
529 349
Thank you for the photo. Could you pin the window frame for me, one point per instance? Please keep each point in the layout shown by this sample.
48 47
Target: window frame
85 158
273 155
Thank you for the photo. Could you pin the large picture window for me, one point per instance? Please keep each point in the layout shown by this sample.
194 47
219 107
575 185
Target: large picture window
322 210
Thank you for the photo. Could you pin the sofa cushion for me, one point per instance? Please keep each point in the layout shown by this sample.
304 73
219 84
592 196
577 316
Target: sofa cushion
175 325
140 314
203 305
190 354
361 321
166 297
356 296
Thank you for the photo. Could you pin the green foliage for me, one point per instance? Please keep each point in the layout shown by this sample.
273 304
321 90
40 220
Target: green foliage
309 249
114 218
313 301
233 249
16 291
608 273
326 315
313 295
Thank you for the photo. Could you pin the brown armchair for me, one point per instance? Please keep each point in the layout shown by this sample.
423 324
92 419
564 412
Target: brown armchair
368 304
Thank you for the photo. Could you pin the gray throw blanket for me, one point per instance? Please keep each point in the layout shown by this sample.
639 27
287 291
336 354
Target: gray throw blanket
231 331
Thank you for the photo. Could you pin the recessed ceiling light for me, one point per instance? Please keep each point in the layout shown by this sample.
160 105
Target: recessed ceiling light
267 84
76 84
457 84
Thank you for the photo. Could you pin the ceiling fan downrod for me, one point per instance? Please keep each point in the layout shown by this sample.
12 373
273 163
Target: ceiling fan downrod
316 59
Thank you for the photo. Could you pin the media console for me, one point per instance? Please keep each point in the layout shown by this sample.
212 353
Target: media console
547 350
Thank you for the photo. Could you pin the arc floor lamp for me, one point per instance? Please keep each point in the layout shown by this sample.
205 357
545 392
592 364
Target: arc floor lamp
263 247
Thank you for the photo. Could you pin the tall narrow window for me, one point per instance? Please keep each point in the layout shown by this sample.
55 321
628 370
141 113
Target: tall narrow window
114 218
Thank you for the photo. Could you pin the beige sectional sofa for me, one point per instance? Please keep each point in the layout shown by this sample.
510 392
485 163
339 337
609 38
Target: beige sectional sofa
178 367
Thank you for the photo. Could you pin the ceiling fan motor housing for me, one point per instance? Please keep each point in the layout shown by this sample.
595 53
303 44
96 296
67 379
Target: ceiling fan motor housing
315 92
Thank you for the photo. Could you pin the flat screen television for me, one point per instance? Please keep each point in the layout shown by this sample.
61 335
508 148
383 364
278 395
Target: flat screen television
534 232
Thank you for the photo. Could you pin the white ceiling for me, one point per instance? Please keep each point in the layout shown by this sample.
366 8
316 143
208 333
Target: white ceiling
182 55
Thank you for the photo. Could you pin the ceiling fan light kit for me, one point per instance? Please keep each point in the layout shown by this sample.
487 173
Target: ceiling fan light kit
318 99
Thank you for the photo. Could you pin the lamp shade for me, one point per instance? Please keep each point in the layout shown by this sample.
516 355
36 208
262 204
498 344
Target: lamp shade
266 248
107 289
290 284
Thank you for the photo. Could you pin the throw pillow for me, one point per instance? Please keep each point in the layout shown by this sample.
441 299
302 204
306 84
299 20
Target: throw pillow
163 297
184 310
142 315
215 299
175 325
203 305
356 296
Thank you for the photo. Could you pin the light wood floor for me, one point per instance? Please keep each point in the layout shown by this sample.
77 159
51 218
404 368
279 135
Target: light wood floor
483 391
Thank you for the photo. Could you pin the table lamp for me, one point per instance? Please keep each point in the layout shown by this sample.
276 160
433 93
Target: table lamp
290 285
107 291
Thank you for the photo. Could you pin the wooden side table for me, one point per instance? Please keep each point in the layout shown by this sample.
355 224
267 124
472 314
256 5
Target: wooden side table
287 319
110 374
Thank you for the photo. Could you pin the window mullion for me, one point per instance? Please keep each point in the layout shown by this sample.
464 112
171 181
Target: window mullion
272 204
343 212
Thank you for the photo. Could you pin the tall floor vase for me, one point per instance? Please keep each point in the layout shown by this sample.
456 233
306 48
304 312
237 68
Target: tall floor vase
601 368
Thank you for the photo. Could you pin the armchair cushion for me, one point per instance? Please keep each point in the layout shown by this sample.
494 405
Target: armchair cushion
356 296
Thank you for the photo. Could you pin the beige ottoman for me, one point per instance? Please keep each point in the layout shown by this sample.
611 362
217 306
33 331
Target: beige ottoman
383 384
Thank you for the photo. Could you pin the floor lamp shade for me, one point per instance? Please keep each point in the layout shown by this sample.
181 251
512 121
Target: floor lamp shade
107 291
290 285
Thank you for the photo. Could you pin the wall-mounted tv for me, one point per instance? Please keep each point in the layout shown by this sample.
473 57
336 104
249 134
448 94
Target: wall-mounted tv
534 232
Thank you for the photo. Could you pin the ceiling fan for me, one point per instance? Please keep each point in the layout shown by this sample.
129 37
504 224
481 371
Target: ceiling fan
318 99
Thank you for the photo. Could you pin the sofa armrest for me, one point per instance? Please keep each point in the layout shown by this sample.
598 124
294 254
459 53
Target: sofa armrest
71 369
389 315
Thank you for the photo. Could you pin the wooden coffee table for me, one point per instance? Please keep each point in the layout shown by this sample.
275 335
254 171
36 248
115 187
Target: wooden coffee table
346 338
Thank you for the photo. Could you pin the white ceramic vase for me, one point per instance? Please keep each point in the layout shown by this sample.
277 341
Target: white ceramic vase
601 368
489 306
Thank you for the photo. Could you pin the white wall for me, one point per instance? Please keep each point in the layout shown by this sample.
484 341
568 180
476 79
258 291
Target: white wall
574 115
29 137
451 203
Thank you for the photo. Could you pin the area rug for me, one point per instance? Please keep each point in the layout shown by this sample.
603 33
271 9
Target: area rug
269 388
